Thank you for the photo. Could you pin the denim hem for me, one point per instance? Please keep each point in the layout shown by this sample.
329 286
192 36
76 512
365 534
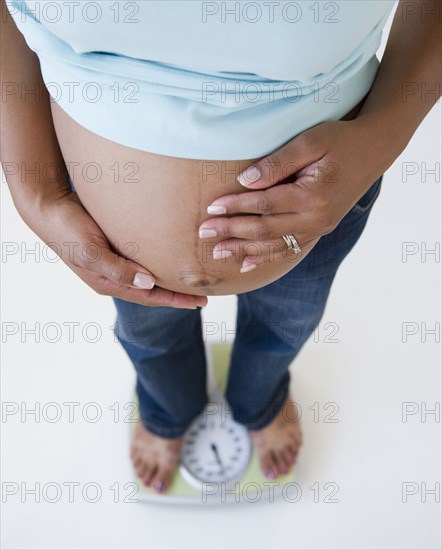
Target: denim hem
276 406
168 432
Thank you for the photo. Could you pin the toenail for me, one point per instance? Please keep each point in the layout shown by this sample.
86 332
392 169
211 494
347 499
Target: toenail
159 485
270 474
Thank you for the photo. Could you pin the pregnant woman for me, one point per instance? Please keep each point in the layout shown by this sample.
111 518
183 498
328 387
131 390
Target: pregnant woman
192 149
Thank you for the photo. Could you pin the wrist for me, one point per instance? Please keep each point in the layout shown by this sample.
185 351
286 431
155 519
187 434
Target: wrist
42 212
385 139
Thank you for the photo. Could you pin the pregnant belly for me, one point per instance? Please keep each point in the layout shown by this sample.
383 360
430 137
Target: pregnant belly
150 207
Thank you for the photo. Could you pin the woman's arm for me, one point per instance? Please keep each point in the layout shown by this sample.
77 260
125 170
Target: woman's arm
408 82
28 138
38 181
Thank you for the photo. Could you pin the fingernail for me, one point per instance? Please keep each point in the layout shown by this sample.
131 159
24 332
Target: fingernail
203 233
221 254
252 174
216 209
247 267
142 280
270 474
159 485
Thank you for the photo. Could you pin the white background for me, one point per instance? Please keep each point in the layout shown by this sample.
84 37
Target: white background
369 372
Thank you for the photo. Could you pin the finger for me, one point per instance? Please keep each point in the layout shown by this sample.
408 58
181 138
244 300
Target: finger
259 252
130 281
283 198
295 155
157 297
284 254
103 261
258 228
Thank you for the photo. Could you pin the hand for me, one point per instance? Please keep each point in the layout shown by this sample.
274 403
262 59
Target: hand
85 249
305 188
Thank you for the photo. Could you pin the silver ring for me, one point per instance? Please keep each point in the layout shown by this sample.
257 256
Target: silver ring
292 243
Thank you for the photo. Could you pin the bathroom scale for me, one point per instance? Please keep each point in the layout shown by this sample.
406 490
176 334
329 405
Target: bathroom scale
218 464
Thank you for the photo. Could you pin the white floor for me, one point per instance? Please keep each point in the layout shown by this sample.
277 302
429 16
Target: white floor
366 481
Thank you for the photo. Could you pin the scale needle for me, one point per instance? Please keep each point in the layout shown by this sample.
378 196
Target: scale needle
218 459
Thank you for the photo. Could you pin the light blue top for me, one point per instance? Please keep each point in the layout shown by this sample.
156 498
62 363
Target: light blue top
204 80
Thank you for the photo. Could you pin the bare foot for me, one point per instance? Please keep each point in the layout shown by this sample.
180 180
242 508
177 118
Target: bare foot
277 444
155 458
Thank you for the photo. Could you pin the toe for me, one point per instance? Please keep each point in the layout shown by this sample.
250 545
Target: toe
271 466
141 470
289 458
281 466
138 465
268 465
294 451
150 475
162 479
284 463
147 473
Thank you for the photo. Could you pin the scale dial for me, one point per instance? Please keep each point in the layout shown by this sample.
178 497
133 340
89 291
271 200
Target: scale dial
216 449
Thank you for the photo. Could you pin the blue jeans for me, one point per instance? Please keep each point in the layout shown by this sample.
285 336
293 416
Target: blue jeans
166 344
